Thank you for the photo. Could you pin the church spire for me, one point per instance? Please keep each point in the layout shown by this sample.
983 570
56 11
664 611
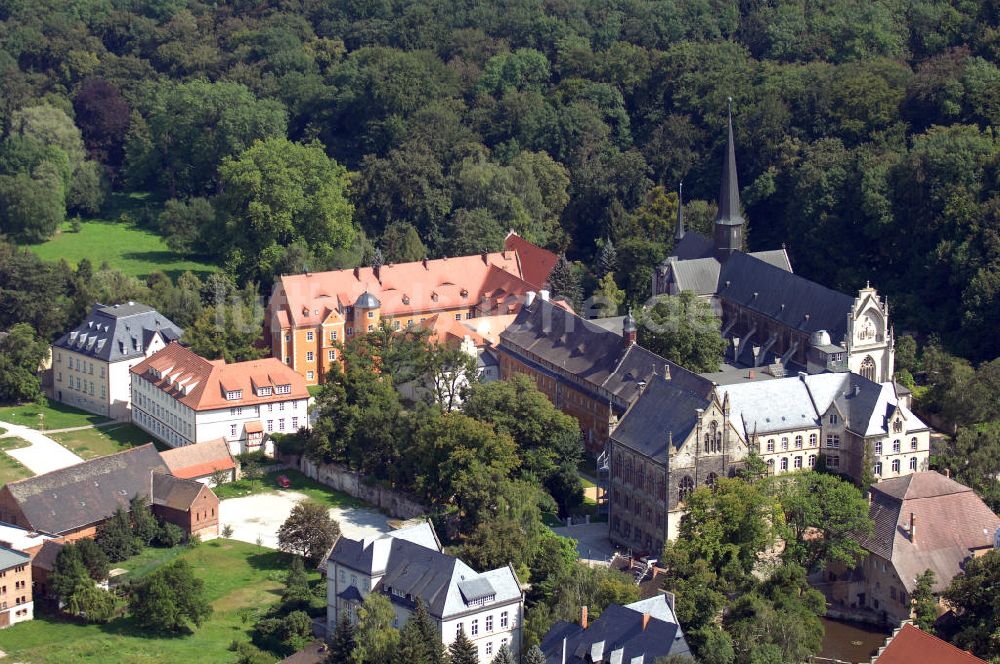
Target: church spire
679 231
729 221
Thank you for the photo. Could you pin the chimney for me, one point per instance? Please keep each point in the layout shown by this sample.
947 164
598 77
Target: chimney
857 390
529 297
377 269
424 261
802 376
486 257
913 528
357 272
947 473
645 621
544 294
629 330
583 617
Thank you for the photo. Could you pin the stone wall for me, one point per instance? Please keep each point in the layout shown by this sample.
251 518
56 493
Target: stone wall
396 503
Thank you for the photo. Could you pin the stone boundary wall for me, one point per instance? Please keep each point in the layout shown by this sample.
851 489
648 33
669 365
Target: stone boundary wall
398 504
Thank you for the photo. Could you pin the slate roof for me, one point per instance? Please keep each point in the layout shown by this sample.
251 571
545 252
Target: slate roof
950 520
771 406
693 245
783 296
174 492
412 566
696 246
589 352
11 558
911 645
868 406
70 498
118 332
664 412
618 636
199 459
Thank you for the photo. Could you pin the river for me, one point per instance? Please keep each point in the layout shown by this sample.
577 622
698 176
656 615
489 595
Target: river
850 642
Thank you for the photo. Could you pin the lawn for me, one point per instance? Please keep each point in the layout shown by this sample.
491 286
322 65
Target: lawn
238 577
299 483
134 250
91 443
55 415
11 469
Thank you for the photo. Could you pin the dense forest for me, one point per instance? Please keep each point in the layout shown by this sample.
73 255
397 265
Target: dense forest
280 134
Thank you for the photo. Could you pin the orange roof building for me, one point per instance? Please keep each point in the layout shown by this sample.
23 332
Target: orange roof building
309 314
182 399
201 460
910 645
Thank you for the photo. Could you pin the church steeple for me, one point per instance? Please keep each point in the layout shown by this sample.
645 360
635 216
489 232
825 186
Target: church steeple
679 231
729 221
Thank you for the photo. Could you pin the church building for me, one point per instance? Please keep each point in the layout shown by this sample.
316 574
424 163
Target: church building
770 315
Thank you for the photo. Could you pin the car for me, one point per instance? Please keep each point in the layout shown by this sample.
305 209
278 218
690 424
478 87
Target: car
284 482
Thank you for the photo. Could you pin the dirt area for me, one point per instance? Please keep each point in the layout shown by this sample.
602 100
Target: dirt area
260 516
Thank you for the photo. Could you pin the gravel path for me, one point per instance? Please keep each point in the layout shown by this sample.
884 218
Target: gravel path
259 517
43 455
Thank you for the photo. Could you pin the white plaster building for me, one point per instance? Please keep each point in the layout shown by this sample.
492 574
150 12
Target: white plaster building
182 398
407 565
90 364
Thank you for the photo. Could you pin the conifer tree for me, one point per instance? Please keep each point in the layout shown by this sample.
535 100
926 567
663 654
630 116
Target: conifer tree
144 525
420 640
924 602
565 282
116 538
342 643
463 651
607 259
504 656
534 656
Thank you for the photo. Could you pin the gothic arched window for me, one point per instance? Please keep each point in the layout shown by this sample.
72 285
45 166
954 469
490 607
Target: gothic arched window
685 489
868 368
710 480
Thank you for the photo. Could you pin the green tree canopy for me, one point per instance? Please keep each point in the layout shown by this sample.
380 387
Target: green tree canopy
684 329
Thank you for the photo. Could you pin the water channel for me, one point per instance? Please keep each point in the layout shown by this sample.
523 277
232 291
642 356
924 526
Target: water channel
850 642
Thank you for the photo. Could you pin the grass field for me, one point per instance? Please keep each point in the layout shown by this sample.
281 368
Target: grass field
299 482
90 443
237 577
134 250
11 469
55 415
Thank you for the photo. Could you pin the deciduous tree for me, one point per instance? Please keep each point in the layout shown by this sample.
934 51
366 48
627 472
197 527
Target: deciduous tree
308 531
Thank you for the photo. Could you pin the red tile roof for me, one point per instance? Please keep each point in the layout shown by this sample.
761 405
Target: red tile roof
200 459
202 384
401 289
536 263
913 646
951 521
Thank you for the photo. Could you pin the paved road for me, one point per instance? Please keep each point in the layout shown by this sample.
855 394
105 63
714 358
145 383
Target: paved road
43 455
260 516
592 543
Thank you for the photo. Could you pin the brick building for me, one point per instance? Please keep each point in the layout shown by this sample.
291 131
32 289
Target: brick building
71 502
189 504
310 314
16 604
587 371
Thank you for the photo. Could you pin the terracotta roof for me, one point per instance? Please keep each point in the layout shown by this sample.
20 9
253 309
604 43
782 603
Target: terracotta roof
45 556
174 492
401 289
913 646
202 384
254 426
950 519
536 263
200 459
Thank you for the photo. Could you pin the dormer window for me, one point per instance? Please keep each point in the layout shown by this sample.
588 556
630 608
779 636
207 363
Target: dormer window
406 299
234 395
434 296
263 391
464 293
283 389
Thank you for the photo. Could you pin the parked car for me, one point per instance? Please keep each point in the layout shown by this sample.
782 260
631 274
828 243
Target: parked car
284 482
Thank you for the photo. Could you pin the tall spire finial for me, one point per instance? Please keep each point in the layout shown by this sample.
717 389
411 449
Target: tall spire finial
679 231
729 221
